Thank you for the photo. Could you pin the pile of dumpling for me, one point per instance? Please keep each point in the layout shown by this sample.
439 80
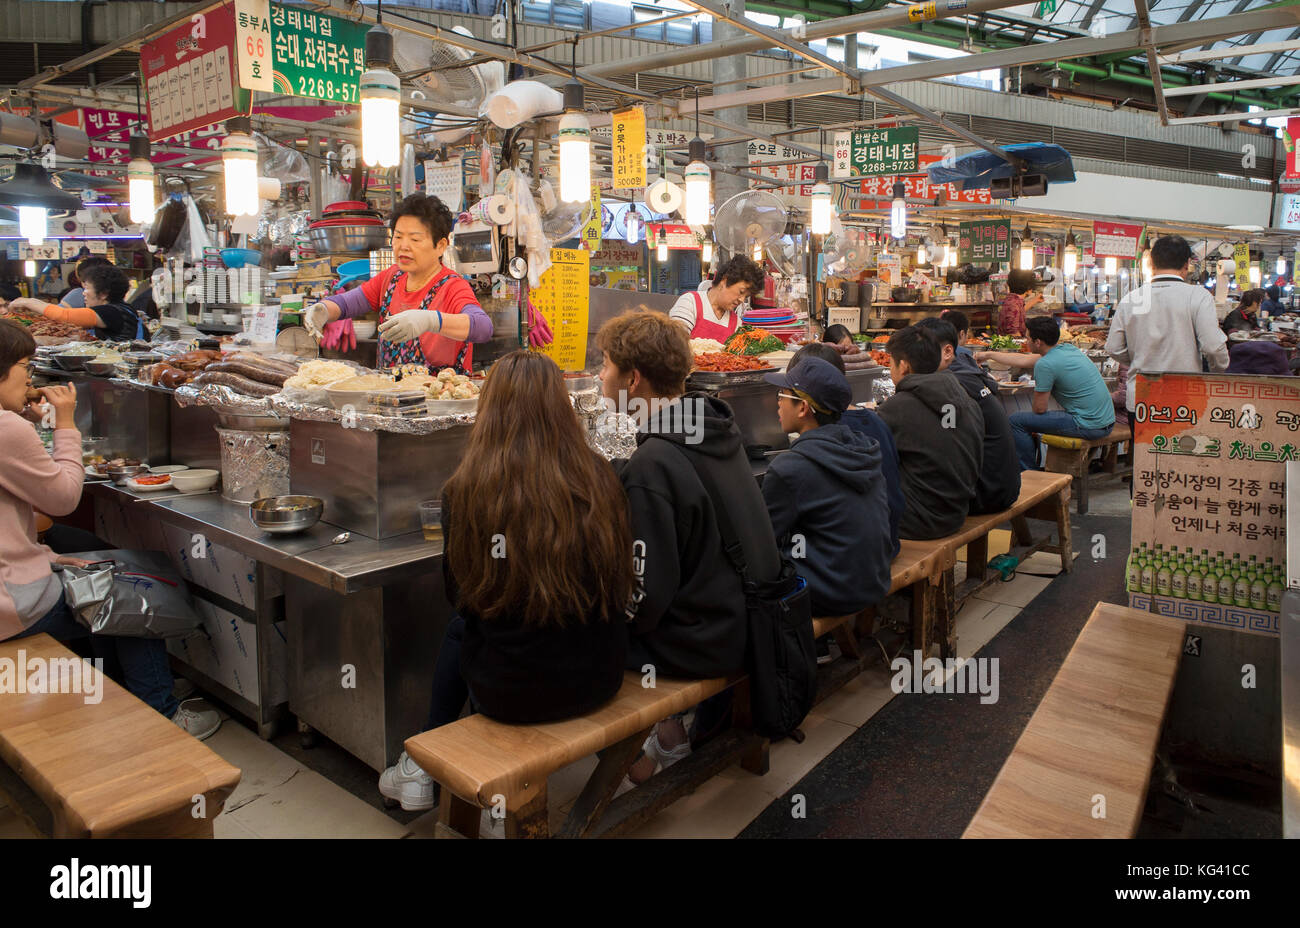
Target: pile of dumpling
451 386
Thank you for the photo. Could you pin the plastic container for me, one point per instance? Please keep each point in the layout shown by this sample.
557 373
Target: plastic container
239 257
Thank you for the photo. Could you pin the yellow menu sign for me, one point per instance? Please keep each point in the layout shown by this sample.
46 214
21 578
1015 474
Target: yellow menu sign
590 235
628 147
564 298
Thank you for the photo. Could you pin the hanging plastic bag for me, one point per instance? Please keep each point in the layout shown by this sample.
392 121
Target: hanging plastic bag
284 164
131 594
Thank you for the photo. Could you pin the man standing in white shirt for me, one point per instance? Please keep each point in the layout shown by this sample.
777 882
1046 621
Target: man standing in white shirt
1166 324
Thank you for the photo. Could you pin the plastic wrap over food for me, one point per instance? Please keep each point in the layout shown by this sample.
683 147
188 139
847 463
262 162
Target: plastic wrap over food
253 464
280 405
233 402
614 436
882 388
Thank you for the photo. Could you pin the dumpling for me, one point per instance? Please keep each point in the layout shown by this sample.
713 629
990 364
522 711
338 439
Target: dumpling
463 391
459 379
446 374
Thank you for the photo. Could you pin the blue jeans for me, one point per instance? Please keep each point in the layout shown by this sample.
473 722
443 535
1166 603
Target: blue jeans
139 664
1056 422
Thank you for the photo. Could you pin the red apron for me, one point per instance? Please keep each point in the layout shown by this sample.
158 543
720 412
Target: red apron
703 328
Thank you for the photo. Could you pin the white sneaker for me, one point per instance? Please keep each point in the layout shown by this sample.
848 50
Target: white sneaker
664 757
201 723
408 784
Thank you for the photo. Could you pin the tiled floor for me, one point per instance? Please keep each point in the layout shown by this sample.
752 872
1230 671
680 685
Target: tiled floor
279 797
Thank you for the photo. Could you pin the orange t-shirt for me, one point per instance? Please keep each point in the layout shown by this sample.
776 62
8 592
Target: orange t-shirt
455 295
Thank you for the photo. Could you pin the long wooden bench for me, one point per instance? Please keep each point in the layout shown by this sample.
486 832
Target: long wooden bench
1093 738
111 769
1042 496
482 764
1066 455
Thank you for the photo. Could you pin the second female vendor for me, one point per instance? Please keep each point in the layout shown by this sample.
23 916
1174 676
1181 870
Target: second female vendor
712 311
428 313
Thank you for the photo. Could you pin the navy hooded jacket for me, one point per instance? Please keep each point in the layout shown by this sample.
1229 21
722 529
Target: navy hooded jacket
865 422
829 489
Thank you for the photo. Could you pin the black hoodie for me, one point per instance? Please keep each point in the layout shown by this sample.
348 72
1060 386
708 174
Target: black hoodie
999 483
940 466
830 488
688 614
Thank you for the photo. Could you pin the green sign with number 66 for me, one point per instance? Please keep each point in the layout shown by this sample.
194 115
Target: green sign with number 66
317 55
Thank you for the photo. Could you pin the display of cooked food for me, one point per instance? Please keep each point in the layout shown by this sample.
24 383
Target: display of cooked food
316 374
706 346
723 362
752 341
452 386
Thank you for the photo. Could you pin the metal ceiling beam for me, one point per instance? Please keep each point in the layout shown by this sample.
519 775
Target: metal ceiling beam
1190 10
1197 33
778 38
1092 13
1281 53
1232 117
1230 86
1214 54
1157 82
755 95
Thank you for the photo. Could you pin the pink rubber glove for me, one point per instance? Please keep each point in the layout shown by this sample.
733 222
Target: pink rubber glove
339 336
539 330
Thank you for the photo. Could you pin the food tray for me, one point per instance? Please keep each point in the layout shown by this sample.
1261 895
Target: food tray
452 407
721 378
396 398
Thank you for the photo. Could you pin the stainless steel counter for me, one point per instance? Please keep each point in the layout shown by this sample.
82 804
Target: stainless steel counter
360 564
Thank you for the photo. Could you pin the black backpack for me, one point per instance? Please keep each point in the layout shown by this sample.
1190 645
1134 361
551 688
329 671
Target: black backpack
780 656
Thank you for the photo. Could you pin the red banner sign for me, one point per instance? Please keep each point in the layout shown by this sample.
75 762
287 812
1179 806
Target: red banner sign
919 186
1116 240
190 75
1289 138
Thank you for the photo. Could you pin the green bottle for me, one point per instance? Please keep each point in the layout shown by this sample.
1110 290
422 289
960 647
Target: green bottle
1240 584
1178 581
1133 569
1258 586
1195 577
1164 577
1225 581
1148 572
1275 589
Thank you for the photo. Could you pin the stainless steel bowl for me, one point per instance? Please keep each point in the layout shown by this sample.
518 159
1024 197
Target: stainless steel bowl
283 515
73 362
121 473
102 368
352 239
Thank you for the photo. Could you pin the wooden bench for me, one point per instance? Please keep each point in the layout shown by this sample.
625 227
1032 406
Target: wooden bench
112 769
1093 735
480 763
1042 496
1071 456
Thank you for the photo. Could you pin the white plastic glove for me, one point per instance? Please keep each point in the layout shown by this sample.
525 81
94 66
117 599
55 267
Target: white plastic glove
315 318
410 324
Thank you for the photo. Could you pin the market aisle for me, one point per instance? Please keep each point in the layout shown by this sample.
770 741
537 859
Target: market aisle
939 753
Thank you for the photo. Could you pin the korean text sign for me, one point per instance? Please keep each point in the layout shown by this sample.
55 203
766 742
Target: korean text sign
1116 240
876 152
189 76
985 240
317 55
564 298
628 145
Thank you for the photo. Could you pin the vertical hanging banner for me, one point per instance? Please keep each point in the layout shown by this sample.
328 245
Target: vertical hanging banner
317 55
253 44
590 234
1241 258
1289 136
189 76
564 299
628 146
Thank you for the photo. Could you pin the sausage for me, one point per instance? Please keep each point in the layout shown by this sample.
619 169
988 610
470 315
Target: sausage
235 382
173 378
248 357
250 371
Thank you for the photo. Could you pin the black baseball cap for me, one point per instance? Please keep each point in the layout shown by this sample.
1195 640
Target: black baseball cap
818 382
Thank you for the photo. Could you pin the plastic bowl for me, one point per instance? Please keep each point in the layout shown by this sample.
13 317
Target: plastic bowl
194 480
239 257
364 329
358 267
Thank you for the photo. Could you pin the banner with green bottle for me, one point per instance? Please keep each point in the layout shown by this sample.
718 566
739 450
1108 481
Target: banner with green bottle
1209 497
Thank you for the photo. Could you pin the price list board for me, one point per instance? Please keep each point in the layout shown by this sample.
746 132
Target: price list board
564 298
1116 240
986 240
189 76
628 145
1209 475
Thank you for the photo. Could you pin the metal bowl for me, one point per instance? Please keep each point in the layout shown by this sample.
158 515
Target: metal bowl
121 473
356 239
271 513
74 362
102 368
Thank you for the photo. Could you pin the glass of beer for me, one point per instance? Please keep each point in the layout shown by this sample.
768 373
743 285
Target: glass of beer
431 519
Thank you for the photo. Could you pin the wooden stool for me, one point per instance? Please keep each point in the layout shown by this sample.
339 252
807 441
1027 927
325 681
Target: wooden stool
1067 455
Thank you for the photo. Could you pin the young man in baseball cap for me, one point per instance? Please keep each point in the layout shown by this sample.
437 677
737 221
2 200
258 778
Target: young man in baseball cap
826 495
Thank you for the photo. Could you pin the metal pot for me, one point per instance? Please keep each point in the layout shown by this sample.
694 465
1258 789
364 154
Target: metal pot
284 515
355 239
905 294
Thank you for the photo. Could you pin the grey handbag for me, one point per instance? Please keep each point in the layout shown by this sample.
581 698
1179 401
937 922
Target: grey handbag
133 594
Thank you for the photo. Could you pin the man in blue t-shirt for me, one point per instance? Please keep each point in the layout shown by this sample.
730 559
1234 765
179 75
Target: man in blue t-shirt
1064 373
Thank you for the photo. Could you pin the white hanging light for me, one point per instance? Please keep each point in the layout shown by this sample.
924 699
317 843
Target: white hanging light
706 252
381 95
139 178
757 252
898 213
820 205
661 252
632 223
698 180
1254 274
1070 258
1112 265
32 224
575 148
239 158
921 254
29 268
1281 266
